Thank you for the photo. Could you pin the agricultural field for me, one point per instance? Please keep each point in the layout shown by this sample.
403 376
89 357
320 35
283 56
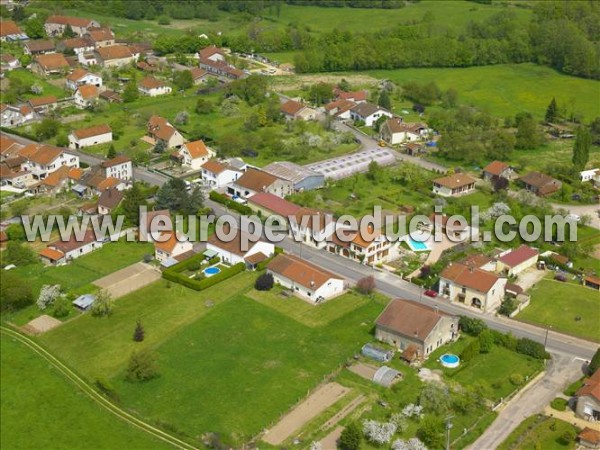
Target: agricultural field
558 305
541 432
53 411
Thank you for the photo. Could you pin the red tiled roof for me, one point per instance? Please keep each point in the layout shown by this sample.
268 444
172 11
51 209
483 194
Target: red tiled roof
160 128
169 244
8 28
207 52
456 180
214 166
73 243
197 149
77 75
275 204
88 91
151 83
300 271
470 277
114 52
68 20
197 72
256 180
409 319
292 107
519 256
40 45
591 386
496 168
120 159
356 96
590 435
52 61
98 130
108 183
52 254
42 101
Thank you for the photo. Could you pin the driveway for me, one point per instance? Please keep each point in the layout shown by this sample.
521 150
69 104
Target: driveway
562 370
582 210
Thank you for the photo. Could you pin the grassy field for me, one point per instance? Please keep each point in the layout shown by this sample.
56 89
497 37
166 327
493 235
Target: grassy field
539 432
47 88
41 409
557 304
505 90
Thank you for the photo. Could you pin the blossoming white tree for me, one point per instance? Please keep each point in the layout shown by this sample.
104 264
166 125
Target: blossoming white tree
379 432
48 294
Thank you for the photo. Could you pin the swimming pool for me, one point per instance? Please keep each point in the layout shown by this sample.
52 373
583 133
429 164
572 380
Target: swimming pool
449 360
417 246
210 271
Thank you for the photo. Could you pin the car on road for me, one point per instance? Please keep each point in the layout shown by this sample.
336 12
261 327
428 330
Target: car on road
430 293
573 217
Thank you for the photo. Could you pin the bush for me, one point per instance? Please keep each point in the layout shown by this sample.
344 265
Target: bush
164 20
486 341
594 363
508 306
173 274
194 266
264 282
229 203
139 333
142 366
366 285
516 379
102 306
559 404
350 437
470 351
61 307
568 436
472 326
106 388
531 348
15 292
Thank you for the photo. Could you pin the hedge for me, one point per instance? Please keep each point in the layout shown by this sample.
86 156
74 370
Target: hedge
174 274
229 203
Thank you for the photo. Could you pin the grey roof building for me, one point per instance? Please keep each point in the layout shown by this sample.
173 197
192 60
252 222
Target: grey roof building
302 177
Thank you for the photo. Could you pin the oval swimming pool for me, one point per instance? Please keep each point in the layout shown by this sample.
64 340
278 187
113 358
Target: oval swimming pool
449 360
209 271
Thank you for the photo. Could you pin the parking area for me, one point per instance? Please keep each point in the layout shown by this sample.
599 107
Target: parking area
129 279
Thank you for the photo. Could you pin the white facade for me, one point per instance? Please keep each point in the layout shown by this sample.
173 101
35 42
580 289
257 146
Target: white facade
306 234
228 257
179 248
371 118
88 78
83 103
75 142
484 301
588 175
220 179
41 171
122 171
195 163
13 116
331 288
155 91
80 251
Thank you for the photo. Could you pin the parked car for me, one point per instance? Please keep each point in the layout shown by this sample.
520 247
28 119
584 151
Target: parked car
431 293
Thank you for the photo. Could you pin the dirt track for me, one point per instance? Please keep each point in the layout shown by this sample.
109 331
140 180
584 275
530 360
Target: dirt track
319 401
129 279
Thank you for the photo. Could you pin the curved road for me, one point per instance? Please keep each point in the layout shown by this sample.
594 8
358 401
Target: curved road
95 396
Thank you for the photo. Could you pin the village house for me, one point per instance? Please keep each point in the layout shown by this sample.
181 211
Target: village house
10 32
11 174
514 262
195 154
160 130
65 251
354 96
592 282
109 200
498 169
100 37
588 398
111 96
39 47
312 227
212 53
13 116
94 182
54 63
114 56
233 252
200 76
43 159
152 87
293 110
86 96
415 329
306 280
86 137
153 223
367 248
454 185
540 184
80 77
9 62
415 148
255 180
301 177
588 175
9 148
169 246
340 108
589 438
56 25
120 167
368 113
60 180
42 105
77 45
268 204
395 131
217 174
212 60
472 287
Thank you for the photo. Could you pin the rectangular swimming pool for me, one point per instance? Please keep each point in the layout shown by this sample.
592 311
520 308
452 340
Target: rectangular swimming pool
417 246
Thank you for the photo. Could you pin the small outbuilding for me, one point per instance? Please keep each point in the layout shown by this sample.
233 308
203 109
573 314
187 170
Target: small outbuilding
84 302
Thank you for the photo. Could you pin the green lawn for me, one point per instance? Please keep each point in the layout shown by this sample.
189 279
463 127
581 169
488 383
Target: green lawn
505 90
539 432
557 305
47 88
41 409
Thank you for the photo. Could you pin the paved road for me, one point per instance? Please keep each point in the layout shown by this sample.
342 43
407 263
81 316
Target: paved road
582 210
562 370
139 173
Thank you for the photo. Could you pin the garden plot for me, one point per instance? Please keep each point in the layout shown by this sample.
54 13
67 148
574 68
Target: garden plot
129 279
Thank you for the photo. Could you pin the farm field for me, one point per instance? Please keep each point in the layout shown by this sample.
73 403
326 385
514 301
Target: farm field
557 304
539 432
43 409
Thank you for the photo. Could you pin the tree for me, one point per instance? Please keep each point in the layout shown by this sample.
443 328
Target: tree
19 254
320 93
499 183
507 307
173 195
48 294
379 123
183 79
264 282
594 363
60 307
450 98
486 341
131 93
159 147
366 285
528 135
15 292
102 305
132 201
551 111
34 28
47 128
581 148
435 398
182 118
142 366
203 106
68 33
138 333
430 432
384 100
350 437
568 436
373 171
111 152
379 432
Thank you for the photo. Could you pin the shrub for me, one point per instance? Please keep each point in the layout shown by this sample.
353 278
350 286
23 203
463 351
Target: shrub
15 292
264 282
568 436
531 348
229 203
508 306
142 366
61 307
194 266
516 379
470 351
379 432
559 404
106 388
138 333
164 20
350 437
366 285
472 326
594 363
102 305
486 341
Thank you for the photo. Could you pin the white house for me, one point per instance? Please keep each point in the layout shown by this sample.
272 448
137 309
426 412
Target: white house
371 248
513 262
312 227
588 175
293 110
195 154
109 200
120 167
86 137
395 131
217 174
169 245
472 287
55 25
86 96
159 129
254 181
454 185
368 113
10 31
80 77
233 251
306 280
498 169
74 248
114 56
12 116
78 45
9 62
42 159
152 87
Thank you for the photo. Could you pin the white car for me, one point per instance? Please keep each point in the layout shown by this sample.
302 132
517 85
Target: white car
573 218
